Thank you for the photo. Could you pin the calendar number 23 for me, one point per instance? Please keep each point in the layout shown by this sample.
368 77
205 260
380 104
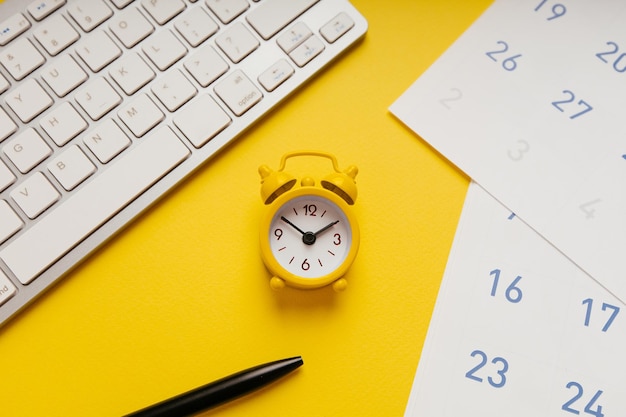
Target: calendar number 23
498 377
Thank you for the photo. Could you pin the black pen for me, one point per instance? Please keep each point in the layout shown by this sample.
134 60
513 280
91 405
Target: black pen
221 391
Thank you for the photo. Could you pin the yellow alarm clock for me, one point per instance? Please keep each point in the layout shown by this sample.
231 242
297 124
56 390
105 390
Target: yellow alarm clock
309 235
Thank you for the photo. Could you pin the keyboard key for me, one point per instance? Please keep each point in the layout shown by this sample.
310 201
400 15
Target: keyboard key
206 65
93 204
12 27
106 141
173 90
71 167
55 34
4 84
6 176
337 27
42 8
21 58
237 42
10 223
196 26
63 75
304 53
163 10
238 92
131 73
26 150
163 49
120 4
130 27
293 37
97 98
7 289
140 115
276 75
89 14
28 100
98 50
7 126
227 10
201 120
35 195
273 15
63 123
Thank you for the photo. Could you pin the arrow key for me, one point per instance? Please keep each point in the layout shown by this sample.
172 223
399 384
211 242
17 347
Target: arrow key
276 75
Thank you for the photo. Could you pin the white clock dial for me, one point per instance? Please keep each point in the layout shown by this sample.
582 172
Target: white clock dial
310 236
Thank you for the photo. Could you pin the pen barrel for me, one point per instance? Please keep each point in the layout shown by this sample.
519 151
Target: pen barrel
221 391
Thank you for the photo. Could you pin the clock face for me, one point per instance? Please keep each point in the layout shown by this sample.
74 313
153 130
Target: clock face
310 236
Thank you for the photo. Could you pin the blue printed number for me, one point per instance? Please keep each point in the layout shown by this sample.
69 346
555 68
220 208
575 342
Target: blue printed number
605 306
570 97
512 293
510 63
558 9
591 408
499 379
619 62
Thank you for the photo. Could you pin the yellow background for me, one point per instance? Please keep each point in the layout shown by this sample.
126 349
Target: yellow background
181 297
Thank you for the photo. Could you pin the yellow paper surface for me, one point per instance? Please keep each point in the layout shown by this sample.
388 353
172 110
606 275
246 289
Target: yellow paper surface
181 297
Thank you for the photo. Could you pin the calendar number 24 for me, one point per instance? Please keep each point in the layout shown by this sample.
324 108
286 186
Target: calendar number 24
591 408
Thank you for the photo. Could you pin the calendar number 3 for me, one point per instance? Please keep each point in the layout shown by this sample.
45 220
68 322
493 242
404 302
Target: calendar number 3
500 376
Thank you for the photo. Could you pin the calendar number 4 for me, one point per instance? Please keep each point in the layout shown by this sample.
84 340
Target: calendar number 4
589 408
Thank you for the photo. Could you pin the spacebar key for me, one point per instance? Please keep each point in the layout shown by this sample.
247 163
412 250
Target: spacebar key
90 207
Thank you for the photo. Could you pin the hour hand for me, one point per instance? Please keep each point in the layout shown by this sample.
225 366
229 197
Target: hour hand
328 226
286 220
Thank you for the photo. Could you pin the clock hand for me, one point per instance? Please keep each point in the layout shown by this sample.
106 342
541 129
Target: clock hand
328 226
308 238
283 218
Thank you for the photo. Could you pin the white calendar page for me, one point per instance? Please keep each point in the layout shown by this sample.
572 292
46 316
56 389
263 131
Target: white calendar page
518 329
531 103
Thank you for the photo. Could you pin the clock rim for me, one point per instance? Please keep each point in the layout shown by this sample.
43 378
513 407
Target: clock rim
278 270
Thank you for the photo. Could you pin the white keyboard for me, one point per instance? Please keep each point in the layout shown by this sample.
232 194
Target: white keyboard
107 104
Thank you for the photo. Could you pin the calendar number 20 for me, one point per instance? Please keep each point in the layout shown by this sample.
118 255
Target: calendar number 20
619 63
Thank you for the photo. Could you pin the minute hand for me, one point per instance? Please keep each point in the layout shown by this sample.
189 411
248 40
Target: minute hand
328 226
283 218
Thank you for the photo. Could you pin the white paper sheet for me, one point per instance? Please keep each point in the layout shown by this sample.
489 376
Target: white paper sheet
518 329
531 103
